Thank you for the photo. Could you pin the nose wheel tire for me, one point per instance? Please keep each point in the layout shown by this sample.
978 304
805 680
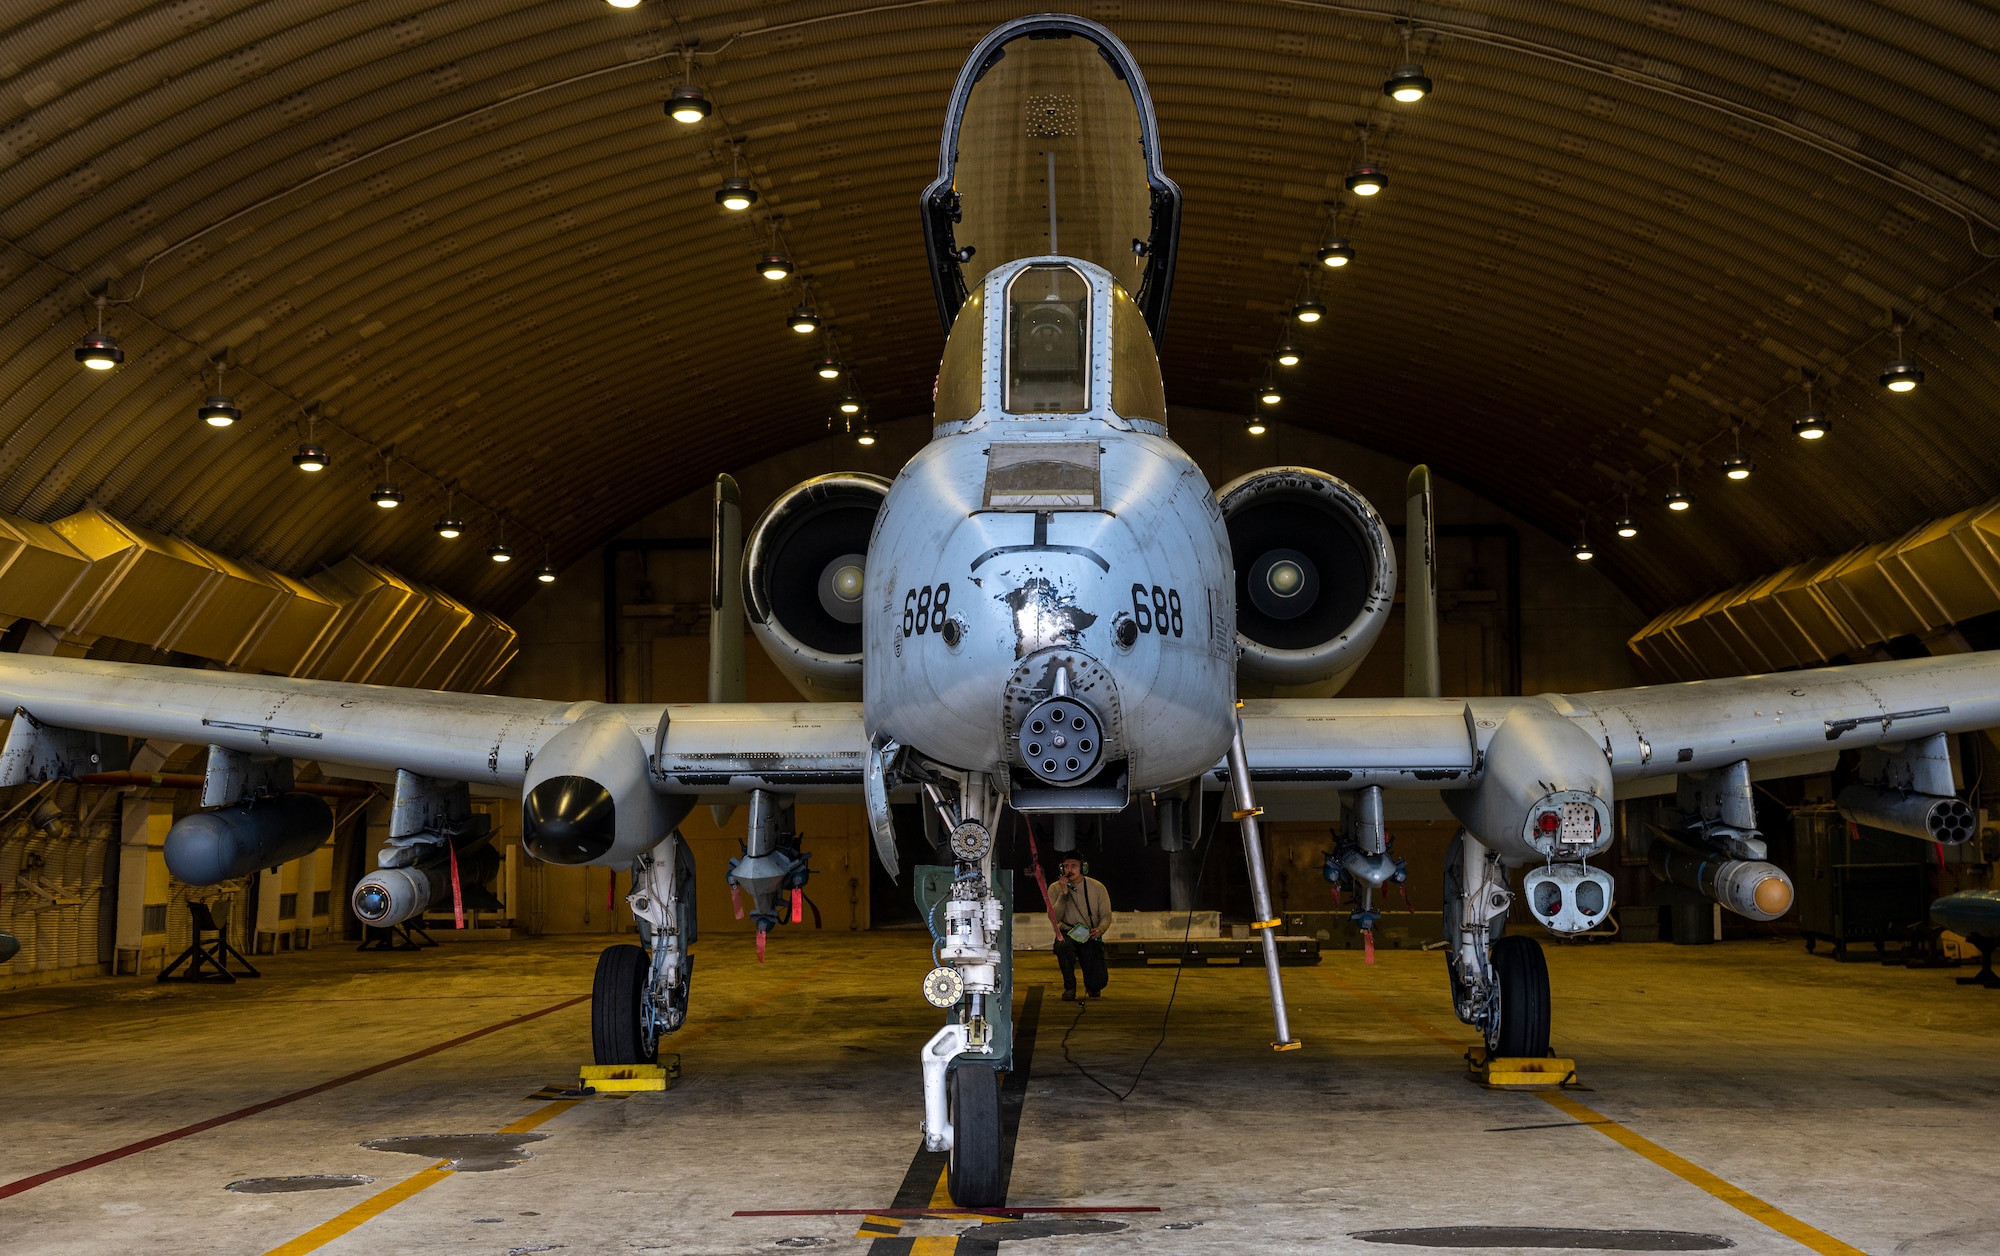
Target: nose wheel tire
973 1094
617 1004
1520 1024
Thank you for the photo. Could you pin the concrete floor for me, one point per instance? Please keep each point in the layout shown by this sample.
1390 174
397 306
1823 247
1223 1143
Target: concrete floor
1858 1101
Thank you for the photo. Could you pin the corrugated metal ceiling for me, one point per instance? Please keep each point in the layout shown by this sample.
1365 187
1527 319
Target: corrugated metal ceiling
1616 228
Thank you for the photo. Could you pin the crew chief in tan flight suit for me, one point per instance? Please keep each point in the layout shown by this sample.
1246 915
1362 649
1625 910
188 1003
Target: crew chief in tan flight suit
1080 904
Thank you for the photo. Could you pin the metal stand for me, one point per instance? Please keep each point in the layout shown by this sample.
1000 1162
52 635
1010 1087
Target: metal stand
1266 924
207 957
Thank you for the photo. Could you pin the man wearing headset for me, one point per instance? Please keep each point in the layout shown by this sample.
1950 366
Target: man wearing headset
1081 907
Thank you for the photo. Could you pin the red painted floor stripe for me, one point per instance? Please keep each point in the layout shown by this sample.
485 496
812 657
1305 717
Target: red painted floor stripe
132 1149
923 1212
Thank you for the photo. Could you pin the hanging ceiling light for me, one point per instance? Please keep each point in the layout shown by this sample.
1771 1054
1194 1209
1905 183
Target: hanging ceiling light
1366 180
1287 355
1583 551
1336 253
1255 426
865 437
850 404
1308 311
547 575
1903 374
1626 528
98 350
804 321
1269 393
688 105
500 553
774 266
449 526
386 495
623 4
1736 466
1407 83
1675 498
736 193
220 409
311 458
829 368
1812 424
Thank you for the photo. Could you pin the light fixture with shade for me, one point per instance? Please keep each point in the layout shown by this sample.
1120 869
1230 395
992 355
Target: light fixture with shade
736 194
1407 83
688 105
1736 466
774 266
865 437
386 495
623 4
1269 394
220 409
1335 253
1626 527
311 458
850 404
1366 180
1675 498
1287 355
1903 374
803 320
1308 311
1255 426
829 368
547 572
449 526
1584 551
99 351
500 552
1811 423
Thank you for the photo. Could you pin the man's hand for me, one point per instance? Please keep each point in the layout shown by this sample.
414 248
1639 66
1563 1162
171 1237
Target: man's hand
1098 932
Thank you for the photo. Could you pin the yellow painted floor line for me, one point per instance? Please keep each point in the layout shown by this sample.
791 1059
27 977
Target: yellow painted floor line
375 1205
1686 1170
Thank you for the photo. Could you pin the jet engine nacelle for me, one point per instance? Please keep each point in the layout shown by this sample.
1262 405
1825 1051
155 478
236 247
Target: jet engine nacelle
588 797
1542 791
803 569
1315 576
210 847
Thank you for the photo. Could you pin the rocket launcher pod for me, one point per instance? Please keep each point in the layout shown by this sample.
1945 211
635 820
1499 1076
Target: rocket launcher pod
1943 819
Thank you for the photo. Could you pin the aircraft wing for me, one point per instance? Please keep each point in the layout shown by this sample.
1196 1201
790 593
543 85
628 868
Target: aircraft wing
1653 730
479 739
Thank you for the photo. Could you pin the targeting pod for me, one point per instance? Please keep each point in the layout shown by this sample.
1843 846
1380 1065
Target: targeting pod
210 847
1943 819
389 896
1748 887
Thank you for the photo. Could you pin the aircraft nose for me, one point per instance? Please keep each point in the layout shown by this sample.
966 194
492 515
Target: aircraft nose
568 820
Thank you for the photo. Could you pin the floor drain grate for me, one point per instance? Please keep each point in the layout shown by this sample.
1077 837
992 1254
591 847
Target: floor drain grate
304 1182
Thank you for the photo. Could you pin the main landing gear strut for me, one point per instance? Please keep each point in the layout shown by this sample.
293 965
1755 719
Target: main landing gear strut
641 992
1499 984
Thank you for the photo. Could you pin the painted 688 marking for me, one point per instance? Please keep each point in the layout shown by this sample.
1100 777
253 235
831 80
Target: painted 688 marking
924 609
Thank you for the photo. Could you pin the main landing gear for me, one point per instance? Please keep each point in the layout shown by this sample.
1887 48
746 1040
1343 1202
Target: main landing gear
1498 984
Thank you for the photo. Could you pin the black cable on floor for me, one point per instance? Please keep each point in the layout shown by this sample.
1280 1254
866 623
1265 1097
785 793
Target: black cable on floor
1208 844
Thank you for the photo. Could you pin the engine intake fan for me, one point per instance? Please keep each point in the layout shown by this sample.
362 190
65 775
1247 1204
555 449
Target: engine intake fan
1315 575
803 575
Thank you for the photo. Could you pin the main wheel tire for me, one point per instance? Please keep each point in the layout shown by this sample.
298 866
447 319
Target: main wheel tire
1521 1014
618 1000
973 1092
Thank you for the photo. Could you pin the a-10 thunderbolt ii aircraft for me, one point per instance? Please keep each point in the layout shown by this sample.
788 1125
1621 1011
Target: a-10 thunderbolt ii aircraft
1047 611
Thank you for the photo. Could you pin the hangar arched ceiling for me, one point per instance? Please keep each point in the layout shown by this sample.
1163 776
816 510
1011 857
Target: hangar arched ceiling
467 232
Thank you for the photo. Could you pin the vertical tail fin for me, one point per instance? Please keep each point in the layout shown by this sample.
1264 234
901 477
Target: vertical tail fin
725 610
1421 677
725 597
